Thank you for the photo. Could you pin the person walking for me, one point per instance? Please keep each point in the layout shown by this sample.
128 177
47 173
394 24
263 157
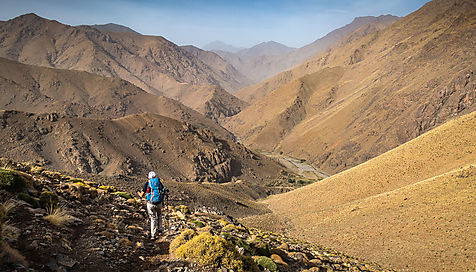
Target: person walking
154 191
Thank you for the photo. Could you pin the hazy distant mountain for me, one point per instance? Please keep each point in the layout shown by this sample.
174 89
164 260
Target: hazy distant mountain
221 46
114 28
270 48
272 58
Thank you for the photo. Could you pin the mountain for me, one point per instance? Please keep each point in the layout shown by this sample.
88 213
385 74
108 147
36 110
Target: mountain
404 206
152 63
115 28
129 146
44 90
217 63
221 46
268 59
370 94
270 48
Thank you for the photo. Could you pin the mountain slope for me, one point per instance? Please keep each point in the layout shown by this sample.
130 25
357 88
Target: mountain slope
395 84
39 89
130 145
404 206
358 28
152 63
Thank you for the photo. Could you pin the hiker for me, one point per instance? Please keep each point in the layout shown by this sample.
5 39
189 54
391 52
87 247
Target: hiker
155 192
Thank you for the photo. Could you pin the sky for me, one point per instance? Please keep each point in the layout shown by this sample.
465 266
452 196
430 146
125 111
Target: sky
241 23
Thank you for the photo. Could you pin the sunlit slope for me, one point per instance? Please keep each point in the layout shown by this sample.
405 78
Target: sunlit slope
413 205
396 84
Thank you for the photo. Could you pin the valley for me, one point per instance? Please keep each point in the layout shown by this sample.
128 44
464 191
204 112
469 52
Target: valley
354 152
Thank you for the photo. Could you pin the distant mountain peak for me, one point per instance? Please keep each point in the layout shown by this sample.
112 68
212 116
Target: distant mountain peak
221 46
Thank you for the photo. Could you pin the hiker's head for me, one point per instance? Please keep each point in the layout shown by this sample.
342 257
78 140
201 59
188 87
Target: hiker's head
152 174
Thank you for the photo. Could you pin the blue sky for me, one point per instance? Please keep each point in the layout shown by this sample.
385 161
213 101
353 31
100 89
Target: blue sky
198 22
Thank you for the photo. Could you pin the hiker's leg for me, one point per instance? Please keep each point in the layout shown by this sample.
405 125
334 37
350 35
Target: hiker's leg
152 210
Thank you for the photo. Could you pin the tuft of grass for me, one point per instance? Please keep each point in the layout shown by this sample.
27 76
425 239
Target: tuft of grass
58 216
109 189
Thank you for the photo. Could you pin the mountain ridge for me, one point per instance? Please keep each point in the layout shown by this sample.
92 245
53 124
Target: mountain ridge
397 83
152 63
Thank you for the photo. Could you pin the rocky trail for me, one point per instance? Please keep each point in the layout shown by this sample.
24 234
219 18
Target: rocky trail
55 222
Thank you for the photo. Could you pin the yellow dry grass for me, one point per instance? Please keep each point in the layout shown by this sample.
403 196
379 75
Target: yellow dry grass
412 207
58 216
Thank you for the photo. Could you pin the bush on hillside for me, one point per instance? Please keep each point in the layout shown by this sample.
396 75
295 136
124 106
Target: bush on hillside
29 199
48 200
198 223
11 181
184 237
125 195
266 263
212 251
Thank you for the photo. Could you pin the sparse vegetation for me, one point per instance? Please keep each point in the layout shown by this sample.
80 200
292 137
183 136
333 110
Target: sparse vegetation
198 223
212 251
266 263
125 195
183 237
48 200
58 216
11 181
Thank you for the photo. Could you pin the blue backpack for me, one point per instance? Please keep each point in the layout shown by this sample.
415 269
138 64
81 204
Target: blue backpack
156 191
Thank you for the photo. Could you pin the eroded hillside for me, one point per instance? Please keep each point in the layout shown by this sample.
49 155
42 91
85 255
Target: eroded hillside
152 63
394 84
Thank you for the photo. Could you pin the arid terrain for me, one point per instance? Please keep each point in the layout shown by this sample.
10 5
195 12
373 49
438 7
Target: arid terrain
371 94
409 204
356 152
154 64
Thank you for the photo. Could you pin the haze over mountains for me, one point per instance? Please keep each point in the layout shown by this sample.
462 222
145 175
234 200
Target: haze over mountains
371 94
270 58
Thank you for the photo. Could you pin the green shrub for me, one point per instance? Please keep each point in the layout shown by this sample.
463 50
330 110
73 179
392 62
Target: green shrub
213 251
29 199
11 181
125 195
108 188
198 223
230 228
48 200
267 263
184 237
259 247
